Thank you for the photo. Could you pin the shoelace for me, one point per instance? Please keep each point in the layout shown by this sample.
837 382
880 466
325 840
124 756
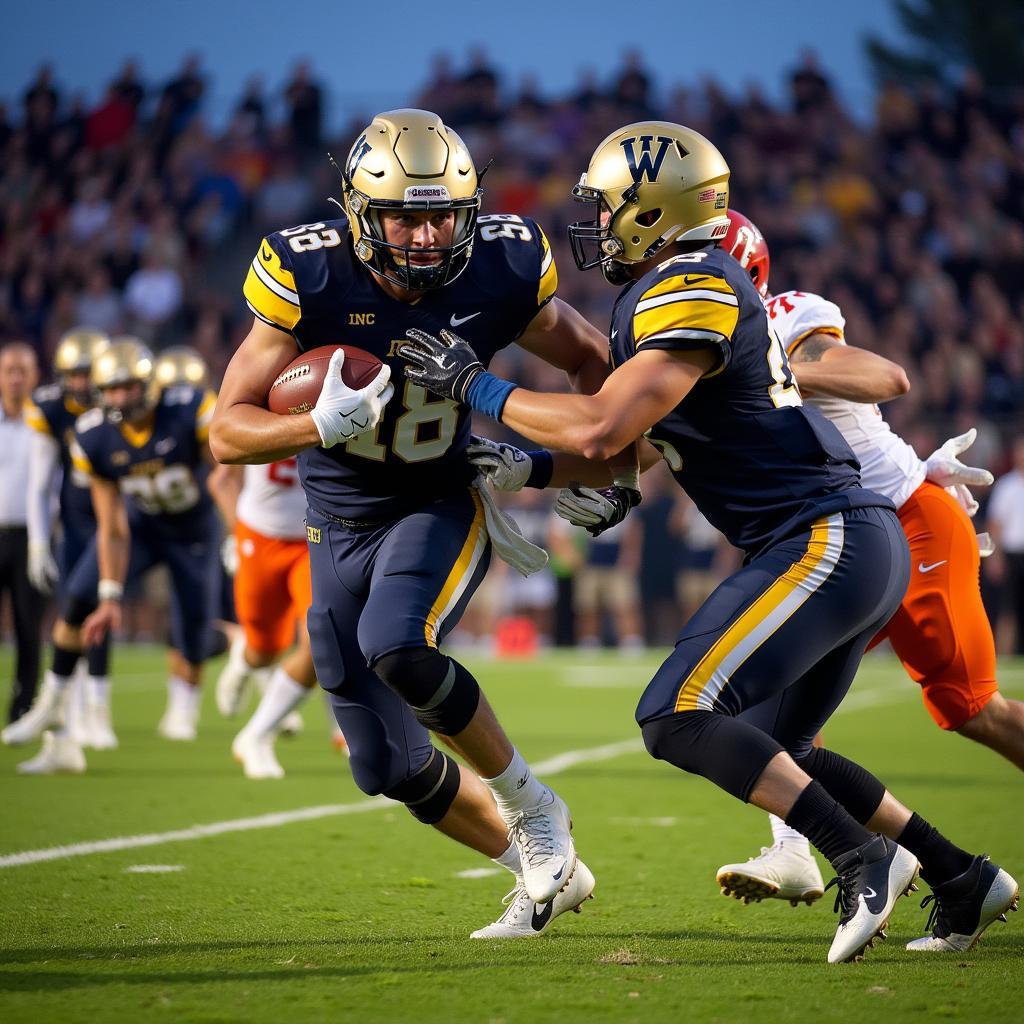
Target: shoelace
535 832
511 899
935 915
844 893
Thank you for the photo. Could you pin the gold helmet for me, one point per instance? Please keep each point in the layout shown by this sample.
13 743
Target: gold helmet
125 361
660 183
75 353
410 160
180 364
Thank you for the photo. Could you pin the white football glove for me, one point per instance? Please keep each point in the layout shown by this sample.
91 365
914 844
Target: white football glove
341 412
505 467
229 554
42 568
943 467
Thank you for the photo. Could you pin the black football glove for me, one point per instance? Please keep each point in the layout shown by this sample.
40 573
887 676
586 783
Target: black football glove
596 510
446 365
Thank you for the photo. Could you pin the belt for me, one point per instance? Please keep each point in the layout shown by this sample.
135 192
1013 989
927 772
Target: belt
13 528
354 524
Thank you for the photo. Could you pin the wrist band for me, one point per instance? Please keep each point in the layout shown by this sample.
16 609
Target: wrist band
629 478
110 590
541 468
488 394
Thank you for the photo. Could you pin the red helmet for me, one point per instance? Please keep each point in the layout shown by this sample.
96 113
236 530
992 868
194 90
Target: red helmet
747 246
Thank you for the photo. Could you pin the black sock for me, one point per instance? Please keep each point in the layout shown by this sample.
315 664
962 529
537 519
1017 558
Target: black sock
940 859
853 786
64 661
98 657
826 823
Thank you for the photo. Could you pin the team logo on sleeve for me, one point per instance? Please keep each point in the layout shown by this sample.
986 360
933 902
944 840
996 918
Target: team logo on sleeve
646 164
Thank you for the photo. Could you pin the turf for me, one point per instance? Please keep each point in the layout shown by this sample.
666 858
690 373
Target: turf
363 917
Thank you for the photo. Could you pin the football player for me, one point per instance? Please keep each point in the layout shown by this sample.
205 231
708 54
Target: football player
700 370
264 508
145 452
940 631
52 414
395 529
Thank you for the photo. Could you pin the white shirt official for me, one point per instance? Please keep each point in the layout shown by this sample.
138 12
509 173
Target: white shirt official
15 441
1006 509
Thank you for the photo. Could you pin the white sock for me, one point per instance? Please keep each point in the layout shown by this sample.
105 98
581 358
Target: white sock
97 690
515 789
782 833
509 860
58 683
282 696
182 694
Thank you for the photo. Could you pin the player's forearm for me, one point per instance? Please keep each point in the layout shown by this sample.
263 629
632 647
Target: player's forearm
853 374
225 484
247 434
113 544
577 424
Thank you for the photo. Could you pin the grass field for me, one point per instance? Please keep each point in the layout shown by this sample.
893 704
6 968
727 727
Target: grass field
361 914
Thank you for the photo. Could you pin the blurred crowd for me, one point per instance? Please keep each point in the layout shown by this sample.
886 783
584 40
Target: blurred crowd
133 216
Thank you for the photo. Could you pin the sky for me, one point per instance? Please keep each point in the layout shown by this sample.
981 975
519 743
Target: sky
373 56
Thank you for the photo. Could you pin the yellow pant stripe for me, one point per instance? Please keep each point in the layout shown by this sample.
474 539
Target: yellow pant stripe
458 578
763 618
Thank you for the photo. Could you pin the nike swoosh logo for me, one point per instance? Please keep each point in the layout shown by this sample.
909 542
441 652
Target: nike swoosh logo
615 331
559 875
456 321
869 893
691 280
539 920
921 567
267 257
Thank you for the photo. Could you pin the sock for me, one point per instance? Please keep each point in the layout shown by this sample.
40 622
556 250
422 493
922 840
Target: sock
98 657
282 696
64 662
182 694
940 859
97 689
826 823
515 789
509 860
782 833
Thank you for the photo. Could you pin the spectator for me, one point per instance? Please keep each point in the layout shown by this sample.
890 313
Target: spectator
99 305
304 99
153 295
1005 515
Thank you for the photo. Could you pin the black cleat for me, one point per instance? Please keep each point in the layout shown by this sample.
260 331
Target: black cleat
965 906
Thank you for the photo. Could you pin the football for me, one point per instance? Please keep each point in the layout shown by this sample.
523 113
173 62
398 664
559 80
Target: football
297 387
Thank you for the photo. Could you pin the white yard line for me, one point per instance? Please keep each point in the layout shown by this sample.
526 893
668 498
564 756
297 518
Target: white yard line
552 766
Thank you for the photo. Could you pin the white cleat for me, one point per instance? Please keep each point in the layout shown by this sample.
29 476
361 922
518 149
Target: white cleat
871 878
60 755
98 730
256 756
525 919
965 906
178 724
47 712
785 871
546 850
234 680
292 724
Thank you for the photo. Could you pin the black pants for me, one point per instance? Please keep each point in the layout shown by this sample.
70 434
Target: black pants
28 606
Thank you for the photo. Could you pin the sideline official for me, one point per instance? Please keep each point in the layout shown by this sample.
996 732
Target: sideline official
19 374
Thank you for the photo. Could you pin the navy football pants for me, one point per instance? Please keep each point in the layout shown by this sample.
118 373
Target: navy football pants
403 584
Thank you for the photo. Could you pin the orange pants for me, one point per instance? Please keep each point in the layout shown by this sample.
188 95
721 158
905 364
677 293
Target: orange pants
273 591
941 632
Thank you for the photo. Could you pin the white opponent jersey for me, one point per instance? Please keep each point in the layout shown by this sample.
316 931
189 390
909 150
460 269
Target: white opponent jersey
273 502
888 465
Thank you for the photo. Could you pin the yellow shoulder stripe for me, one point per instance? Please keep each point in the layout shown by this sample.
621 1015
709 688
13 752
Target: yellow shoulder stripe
267 304
693 320
80 460
35 419
204 414
681 282
834 331
271 263
548 272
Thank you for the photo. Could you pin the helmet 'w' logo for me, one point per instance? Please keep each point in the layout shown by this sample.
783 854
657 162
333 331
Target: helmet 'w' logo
647 164
355 157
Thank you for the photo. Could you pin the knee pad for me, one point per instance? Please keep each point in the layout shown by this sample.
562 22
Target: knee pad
726 751
442 694
430 792
854 787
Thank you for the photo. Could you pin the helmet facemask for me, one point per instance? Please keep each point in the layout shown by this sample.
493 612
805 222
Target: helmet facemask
392 261
129 411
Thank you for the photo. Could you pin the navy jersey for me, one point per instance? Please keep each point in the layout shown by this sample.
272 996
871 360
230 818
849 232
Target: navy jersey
308 281
53 413
753 458
160 470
